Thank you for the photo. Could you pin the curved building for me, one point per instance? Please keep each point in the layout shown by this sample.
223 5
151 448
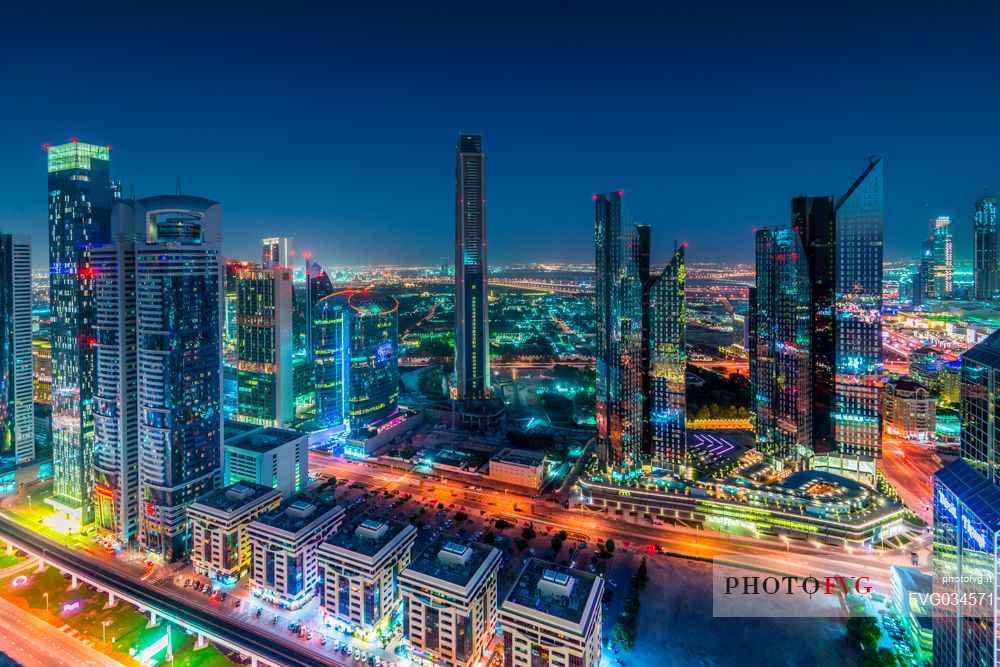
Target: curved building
357 374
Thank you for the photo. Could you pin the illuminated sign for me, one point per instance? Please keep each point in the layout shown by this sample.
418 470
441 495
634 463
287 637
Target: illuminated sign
103 491
973 533
384 351
947 504
70 607
19 581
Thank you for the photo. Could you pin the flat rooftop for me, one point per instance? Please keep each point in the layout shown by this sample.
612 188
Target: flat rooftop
258 438
551 589
366 534
521 457
451 558
234 496
302 511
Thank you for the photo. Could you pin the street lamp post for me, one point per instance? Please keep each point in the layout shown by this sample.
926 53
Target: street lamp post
104 630
46 602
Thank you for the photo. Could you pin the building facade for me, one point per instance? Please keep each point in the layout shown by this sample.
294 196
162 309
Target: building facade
357 368
284 541
472 320
264 304
179 351
986 255
450 601
220 547
17 415
944 257
552 617
360 567
276 252
908 410
978 386
81 195
117 496
271 457
518 467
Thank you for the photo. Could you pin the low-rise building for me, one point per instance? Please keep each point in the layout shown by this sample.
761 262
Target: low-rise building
450 601
518 467
908 409
220 548
552 617
274 457
360 566
284 541
911 597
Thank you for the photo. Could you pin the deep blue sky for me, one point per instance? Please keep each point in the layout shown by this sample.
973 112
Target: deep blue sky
338 126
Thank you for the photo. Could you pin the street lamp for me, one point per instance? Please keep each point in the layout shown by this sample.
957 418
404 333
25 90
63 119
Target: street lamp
46 602
104 630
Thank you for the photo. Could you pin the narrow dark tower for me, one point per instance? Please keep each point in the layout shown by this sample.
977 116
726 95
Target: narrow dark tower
472 329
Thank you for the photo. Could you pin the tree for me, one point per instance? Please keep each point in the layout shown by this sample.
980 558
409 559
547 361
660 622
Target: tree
489 538
461 517
430 380
440 506
558 539
865 631
529 533
641 575
609 546
521 543
501 524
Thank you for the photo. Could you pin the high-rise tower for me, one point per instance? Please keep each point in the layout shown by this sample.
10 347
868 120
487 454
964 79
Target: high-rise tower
944 257
81 195
179 307
472 325
986 269
17 417
277 252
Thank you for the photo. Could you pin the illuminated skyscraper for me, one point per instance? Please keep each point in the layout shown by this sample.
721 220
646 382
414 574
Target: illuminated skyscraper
472 322
664 361
986 268
780 339
357 374
858 316
264 346
116 392
277 252
81 195
17 416
641 358
944 258
833 267
179 307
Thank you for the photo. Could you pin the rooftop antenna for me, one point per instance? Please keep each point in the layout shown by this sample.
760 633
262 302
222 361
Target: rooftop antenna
131 192
178 186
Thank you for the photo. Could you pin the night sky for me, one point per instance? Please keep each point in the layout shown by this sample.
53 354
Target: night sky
338 126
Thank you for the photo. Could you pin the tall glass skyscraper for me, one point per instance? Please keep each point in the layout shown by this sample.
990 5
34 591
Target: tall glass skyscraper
665 367
116 393
640 346
780 344
472 321
979 384
857 421
277 252
264 345
17 417
944 257
816 327
179 308
357 369
81 195
986 263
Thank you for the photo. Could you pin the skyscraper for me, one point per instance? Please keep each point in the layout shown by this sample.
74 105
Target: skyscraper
944 258
665 367
357 374
986 269
81 195
979 383
780 343
472 325
116 392
277 252
640 346
618 290
817 306
179 306
264 346
17 416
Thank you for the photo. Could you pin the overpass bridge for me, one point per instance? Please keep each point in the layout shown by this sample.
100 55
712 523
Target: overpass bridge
264 649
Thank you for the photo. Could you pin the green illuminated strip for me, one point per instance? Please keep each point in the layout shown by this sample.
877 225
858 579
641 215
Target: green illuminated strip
75 156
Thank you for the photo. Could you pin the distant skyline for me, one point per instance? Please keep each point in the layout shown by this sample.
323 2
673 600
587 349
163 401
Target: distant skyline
338 128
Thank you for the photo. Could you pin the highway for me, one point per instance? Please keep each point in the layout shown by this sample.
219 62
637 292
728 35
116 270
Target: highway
910 468
49 646
795 557
273 649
